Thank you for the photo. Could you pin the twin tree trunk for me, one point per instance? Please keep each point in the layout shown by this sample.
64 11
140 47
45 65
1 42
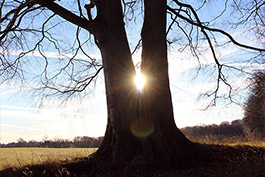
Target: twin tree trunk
140 125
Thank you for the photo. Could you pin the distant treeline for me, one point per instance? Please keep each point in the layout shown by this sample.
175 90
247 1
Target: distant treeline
224 131
77 142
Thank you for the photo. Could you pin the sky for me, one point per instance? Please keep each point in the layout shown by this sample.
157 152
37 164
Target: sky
22 115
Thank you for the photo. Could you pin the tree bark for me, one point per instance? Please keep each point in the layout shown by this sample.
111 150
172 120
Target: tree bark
167 145
139 124
119 142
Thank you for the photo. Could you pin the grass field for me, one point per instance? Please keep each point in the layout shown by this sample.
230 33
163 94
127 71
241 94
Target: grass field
21 157
230 160
228 141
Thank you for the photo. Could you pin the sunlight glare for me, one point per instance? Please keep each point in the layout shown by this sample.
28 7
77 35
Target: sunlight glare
139 81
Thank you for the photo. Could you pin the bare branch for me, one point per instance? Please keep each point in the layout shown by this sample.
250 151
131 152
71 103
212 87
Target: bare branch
67 15
199 24
80 85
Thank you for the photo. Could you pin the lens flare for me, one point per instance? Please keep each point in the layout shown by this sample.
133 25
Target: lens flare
139 81
142 127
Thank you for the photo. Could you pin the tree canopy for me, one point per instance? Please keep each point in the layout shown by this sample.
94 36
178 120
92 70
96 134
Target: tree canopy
30 26
254 108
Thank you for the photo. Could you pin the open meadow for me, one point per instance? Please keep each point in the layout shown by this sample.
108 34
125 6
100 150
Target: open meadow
21 157
240 159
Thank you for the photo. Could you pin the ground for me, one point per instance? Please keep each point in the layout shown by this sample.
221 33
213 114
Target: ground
234 161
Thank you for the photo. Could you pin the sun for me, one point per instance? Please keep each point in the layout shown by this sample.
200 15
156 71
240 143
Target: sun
139 81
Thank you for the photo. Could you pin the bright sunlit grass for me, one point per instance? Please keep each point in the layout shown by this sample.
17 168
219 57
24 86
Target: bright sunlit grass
21 157
227 141
139 81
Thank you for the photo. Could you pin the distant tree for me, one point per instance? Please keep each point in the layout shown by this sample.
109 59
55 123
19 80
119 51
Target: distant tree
225 129
47 143
33 143
237 122
21 140
225 123
45 138
254 119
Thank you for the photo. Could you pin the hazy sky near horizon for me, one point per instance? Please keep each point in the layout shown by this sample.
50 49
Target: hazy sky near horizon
23 114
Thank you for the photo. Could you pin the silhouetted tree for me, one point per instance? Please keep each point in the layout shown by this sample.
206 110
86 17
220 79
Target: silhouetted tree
139 124
254 117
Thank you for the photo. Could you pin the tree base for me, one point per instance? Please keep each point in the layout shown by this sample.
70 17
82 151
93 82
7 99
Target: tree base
173 151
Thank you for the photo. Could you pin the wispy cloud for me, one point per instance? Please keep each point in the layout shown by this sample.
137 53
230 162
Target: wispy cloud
52 54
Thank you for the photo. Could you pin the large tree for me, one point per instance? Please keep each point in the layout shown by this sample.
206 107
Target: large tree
254 116
140 124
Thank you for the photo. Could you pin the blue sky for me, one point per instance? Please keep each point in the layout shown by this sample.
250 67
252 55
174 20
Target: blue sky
24 114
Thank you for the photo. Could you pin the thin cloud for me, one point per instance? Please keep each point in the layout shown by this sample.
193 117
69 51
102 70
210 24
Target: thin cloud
18 127
52 54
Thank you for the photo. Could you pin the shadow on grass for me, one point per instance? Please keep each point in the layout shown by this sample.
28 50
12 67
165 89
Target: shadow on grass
234 161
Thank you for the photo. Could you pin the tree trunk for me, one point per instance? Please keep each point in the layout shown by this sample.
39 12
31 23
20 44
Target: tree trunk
166 145
139 124
119 142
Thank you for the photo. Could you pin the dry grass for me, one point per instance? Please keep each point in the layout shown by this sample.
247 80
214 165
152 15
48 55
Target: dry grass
21 157
231 157
229 161
227 141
